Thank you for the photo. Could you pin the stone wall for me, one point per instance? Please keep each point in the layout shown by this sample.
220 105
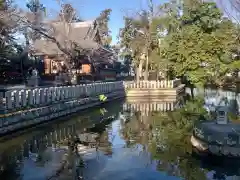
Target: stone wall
146 89
21 108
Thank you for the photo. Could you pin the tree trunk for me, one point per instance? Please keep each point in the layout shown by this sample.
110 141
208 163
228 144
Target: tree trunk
139 71
146 70
192 91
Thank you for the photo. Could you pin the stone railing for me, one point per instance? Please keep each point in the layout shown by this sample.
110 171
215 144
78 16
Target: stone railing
153 84
19 99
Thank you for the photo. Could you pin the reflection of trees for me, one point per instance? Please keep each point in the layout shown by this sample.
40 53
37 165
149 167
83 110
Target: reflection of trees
10 169
37 146
135 130
166 135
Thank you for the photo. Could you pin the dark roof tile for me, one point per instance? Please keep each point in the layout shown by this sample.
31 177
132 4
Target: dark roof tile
77 33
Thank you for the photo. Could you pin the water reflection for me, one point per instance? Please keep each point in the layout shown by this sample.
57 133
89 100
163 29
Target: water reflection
145 140
39 150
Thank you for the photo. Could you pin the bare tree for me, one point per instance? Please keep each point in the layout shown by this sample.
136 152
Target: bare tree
57 32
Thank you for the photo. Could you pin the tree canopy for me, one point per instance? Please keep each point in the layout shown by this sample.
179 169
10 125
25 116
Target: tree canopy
191 39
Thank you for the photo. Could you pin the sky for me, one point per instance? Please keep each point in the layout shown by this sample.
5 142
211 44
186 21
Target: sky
90 9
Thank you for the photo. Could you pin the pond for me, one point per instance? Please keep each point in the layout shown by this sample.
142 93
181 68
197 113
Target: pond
142 140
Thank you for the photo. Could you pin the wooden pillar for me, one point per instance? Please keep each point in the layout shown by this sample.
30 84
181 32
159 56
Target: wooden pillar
47 65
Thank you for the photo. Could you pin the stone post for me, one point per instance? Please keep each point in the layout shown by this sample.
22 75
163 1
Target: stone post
42 96
62 93
47 95
9 100
37 96
58 93
30 97
53 93
65 93
23 98
17 99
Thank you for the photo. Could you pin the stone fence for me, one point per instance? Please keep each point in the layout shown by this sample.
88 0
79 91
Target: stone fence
25 107
153 84
18 99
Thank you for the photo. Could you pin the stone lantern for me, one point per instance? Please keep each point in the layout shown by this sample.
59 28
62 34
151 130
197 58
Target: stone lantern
222 115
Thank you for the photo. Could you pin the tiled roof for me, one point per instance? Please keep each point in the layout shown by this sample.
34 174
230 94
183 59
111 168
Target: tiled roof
80 33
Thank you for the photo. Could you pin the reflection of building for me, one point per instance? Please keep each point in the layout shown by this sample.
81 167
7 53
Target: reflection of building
149 107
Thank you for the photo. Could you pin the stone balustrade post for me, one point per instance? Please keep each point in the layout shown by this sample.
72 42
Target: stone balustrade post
106 87
103 87
65 93
100 87
42 95
9 102
91 89
118 85
62 91
2 101
53 93
110 87
68 92
94 89
75 92
23 98
78 93
37 96
114 86
30 97
71 91
58 93
48 95
87 89
17 99
80 90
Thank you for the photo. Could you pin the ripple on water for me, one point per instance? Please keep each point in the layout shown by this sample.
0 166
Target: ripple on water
134 146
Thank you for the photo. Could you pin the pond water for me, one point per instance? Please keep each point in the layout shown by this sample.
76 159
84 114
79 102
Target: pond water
144 140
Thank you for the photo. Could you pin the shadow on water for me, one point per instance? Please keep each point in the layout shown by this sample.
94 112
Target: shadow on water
122 140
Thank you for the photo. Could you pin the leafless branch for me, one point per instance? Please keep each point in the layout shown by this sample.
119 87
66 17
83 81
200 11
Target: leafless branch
234 11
